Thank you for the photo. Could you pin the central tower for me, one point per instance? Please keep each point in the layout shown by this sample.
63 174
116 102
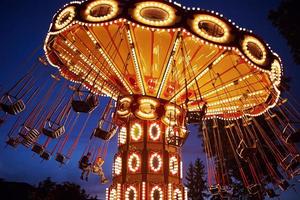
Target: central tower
148 163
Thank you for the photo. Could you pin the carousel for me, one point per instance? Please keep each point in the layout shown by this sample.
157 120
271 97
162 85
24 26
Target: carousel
158 67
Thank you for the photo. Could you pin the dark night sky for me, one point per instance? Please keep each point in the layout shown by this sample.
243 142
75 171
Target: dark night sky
24 25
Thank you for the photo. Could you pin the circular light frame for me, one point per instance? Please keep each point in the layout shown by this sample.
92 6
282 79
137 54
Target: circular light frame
276 72
250 39
158 134
179 193
160 162
170 20
132 132
61 22
90 6
154 189
138 162
212 19
128 190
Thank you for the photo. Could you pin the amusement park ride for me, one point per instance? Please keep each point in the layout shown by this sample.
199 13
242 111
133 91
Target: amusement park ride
162 66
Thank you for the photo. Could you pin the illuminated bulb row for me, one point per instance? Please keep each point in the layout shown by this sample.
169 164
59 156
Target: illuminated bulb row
118 165
136 127
219 59
113 194
227 86
169 191
122 136
170 62
136 63
128 191
152 136
113 10
185 193
177 194
159 159
118 191
173 162
181 170
137 159
191 83
154 190
106 194
144 191
114 68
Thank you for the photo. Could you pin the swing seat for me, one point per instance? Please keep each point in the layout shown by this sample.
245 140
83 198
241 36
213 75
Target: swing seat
283 185
14 108
54 133
291 162
30 137
104 134
2 121
244 151
253 189
61 158
45 155
38 149
271 193
195 117
293 137
85 106
176 141
12 142
214 190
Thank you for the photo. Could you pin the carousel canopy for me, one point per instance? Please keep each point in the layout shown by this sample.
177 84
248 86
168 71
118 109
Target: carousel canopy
163 50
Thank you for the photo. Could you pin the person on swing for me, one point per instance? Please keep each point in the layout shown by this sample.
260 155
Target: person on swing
85 166
97 169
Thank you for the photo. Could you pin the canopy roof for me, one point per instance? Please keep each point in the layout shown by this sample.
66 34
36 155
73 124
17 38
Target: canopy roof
163 50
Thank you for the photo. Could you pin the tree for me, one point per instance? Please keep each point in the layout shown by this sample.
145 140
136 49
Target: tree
285 18
195 181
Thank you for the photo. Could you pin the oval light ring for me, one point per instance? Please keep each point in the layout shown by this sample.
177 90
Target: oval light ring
154 14
254 49
211 28
101 10
65 17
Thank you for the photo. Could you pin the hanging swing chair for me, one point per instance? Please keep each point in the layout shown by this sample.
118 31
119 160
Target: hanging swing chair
12 105
244 151
283 185
290 135
62 159
46 155
53 129
106 128
12 142
84 101
271 193
38 149
254 189
219 192
29 136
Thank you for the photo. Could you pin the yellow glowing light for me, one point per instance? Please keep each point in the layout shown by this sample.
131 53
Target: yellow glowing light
118 165
134 162
111 6
113 194
249 54
171 115
129 190
157 157
147 108
136 132
173 163
177 194
65 17
124 107
159 190
276 73
165 14
122 136
202 18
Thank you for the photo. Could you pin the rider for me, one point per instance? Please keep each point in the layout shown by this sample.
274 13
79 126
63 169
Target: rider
97 168
85 166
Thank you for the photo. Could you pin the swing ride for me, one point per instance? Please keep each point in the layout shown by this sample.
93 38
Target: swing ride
163 67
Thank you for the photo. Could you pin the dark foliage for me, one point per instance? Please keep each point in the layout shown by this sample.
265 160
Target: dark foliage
195 181
46 190
286 19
